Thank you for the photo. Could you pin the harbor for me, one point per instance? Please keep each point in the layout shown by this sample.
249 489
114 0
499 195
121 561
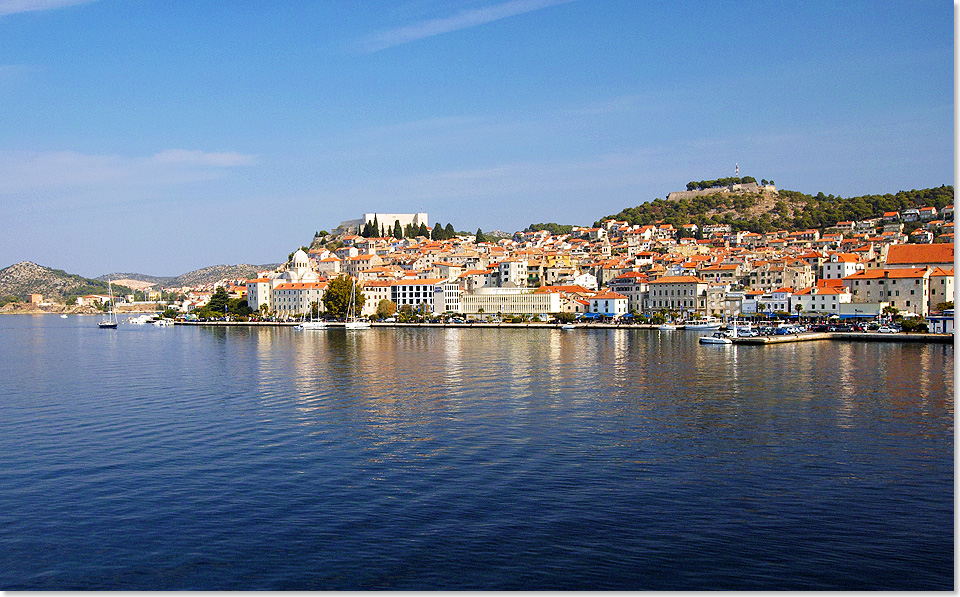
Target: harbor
760 340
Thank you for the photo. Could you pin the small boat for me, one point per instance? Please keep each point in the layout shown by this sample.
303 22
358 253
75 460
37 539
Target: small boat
162 322
110 322
716 338
568 326
63 317
667 327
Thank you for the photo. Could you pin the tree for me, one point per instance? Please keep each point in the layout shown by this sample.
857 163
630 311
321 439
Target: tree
436 232
397 230
218 301
448 231
422 231
336 299
480 237
375 229
386 308
239 306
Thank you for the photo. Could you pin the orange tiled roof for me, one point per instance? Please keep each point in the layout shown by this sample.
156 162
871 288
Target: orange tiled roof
912 253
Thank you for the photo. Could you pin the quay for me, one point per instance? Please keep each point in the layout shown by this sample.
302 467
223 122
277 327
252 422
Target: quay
761 340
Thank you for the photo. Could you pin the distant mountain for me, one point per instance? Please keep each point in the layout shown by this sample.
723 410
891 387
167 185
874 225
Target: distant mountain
24 278
206 275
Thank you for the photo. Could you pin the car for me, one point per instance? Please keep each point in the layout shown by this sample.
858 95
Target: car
886 330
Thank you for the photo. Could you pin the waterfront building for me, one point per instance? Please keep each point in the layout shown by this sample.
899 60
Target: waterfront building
917 290
820 300
427 296
686 294
291 299
608 303
516 301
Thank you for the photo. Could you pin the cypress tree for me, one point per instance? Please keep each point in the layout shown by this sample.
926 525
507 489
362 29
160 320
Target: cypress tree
397 230
448 231
375 229
423 231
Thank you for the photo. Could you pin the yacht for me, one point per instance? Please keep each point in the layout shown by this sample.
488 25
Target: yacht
704 323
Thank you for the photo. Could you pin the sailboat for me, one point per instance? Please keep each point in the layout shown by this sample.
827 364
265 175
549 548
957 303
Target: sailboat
352 322
110 322
318 324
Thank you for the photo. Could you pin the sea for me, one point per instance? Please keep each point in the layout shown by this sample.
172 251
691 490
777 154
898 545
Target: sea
231 458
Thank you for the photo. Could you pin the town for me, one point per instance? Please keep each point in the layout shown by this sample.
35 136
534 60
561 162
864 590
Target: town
615 272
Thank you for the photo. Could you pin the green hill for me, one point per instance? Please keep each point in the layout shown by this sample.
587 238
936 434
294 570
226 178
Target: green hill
785 210
25 278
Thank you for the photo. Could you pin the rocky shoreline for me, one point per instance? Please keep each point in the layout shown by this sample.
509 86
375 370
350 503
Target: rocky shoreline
60 309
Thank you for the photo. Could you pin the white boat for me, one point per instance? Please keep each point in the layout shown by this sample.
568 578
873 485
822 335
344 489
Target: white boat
667 327
705 323
311 325
352 322
110 321
63 317
716 338
141 319
162 322
568 326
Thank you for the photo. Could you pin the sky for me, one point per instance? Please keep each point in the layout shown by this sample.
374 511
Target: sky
160 137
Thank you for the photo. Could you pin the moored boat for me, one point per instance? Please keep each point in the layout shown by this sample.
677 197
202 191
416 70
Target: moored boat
716 338
110 322
704 323
352 323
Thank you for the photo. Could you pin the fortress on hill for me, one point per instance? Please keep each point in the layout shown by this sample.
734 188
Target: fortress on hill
354 226
744 187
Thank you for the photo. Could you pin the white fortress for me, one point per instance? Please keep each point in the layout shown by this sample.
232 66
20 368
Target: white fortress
385 220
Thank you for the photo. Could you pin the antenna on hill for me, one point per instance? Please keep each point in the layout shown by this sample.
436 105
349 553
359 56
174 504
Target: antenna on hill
737 170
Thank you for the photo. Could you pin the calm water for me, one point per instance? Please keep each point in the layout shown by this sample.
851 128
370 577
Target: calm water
203 458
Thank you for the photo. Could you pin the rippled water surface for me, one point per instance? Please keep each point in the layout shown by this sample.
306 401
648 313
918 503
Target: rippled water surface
234 458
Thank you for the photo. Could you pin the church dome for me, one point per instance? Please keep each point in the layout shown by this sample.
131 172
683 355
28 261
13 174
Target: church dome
300 259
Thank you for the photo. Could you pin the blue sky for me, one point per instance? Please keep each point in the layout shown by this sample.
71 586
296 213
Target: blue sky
161 137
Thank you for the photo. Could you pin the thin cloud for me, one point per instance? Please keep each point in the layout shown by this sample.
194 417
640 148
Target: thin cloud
461 20
190 157
9 7
31 170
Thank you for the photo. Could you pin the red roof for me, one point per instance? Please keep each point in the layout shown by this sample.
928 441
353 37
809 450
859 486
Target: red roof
909 254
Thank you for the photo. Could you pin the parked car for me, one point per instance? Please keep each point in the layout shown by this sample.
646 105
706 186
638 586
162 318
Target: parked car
887 330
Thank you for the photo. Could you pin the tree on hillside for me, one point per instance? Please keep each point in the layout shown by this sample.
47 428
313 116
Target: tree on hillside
336 299
437 232
448 231
397 230
422 231
480 237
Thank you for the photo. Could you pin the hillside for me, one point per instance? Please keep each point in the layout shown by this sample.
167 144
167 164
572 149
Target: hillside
24 278
206 275
786 210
